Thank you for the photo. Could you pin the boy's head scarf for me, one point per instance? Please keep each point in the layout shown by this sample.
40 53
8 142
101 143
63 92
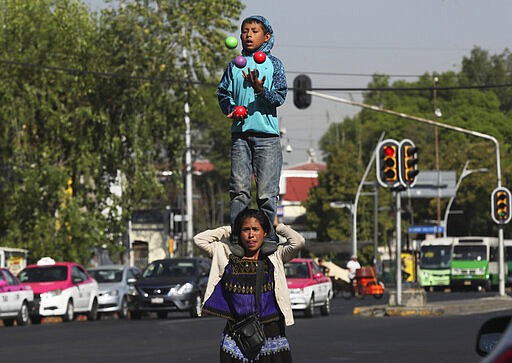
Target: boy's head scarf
267 46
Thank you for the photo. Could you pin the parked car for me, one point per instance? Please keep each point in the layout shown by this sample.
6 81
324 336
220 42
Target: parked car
172 284
60 289
494 340
15 299
115 283
309 287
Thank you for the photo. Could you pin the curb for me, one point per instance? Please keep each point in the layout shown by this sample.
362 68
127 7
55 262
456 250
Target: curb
459 307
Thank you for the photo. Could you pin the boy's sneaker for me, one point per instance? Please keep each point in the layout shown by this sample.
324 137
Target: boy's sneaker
268 247
236 248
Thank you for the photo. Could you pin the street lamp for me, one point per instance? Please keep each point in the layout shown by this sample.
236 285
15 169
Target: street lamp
465 173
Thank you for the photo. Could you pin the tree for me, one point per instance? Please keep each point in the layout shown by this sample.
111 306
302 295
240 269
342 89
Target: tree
97 100
474 109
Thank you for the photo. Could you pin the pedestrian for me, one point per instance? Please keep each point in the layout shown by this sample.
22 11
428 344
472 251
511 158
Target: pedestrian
352 266
232 282
255 138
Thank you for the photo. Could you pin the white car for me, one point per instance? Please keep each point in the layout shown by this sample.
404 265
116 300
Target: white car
15 299
309 287
60 289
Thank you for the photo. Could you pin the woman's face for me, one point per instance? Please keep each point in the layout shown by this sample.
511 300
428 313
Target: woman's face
251 236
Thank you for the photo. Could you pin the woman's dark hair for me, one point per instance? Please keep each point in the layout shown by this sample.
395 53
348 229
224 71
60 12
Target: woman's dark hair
251 213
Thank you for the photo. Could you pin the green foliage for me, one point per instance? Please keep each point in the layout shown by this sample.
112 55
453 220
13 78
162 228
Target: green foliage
98 100
348 147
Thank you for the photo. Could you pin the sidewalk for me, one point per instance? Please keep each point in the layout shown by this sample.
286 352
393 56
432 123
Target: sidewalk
454 307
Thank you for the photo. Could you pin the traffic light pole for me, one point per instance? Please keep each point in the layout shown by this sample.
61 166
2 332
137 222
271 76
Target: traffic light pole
501 247
398 257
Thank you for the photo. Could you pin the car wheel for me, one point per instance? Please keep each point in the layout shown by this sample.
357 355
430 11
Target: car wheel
135 315
196 309
123 310
310 310
162 315
93 314
70 312
23 316
326 307
8 322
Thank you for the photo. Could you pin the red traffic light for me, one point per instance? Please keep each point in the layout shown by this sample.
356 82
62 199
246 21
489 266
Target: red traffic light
389 150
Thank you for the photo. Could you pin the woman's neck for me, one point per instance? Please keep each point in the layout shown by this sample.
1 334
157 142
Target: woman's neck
252 257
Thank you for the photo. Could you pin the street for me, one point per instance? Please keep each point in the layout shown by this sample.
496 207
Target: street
338 337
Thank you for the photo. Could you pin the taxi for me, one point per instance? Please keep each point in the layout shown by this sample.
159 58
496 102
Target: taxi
15 299
309 287
61 289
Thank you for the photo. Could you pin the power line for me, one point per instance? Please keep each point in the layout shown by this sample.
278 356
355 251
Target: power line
172 80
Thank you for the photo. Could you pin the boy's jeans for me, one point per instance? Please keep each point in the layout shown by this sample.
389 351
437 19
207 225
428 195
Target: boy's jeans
261 156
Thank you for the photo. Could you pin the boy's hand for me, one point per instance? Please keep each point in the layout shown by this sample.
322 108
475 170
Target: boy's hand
252 78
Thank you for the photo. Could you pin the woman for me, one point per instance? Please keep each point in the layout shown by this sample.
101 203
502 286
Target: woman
232 280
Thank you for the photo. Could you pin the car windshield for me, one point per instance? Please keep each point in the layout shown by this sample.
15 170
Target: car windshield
297 270
172 269
107 275
44 274
435 256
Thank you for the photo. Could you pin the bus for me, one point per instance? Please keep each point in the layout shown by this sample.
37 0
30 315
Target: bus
508 261
475 263
14 259
434 264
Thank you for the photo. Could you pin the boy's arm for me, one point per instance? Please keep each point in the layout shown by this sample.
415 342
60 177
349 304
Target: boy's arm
276 96
224 94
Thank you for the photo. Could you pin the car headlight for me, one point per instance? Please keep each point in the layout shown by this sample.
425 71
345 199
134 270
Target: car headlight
50 294
181 290
295 291
112 293
480 271
456 271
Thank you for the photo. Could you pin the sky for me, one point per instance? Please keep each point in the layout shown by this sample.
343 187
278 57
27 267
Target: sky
342 43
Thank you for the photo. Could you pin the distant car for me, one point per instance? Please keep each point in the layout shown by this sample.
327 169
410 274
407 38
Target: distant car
115 283
172 284
309 287
60 289
15 299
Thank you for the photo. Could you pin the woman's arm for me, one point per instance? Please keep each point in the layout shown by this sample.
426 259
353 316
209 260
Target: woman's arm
204 240
294 242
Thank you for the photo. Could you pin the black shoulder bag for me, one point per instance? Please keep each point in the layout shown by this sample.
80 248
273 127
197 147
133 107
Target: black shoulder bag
248 333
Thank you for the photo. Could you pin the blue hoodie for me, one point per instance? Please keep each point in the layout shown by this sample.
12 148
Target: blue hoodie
233 91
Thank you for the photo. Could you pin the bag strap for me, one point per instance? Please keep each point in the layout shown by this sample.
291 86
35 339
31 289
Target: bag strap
257 289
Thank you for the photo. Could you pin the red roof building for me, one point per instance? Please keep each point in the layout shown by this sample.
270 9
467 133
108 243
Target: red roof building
295 183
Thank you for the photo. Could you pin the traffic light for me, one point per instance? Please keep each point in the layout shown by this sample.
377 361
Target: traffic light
501 205
387 163
408 163
301 84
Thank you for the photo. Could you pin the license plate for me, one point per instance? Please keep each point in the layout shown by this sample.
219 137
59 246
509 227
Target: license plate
157 300
467 283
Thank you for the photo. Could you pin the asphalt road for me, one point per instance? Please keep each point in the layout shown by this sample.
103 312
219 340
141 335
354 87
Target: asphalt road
340 337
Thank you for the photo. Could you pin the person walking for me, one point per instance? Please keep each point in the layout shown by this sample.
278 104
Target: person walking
233 280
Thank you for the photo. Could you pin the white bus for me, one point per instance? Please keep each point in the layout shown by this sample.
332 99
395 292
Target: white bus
475 263
434 264
14 259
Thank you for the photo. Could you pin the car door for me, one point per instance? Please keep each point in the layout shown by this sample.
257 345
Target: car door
322 282
11 298
83 288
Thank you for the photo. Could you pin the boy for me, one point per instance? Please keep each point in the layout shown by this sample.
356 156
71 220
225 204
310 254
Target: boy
255 143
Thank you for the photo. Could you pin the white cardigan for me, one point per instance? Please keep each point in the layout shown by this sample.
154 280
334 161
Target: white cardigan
215 242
